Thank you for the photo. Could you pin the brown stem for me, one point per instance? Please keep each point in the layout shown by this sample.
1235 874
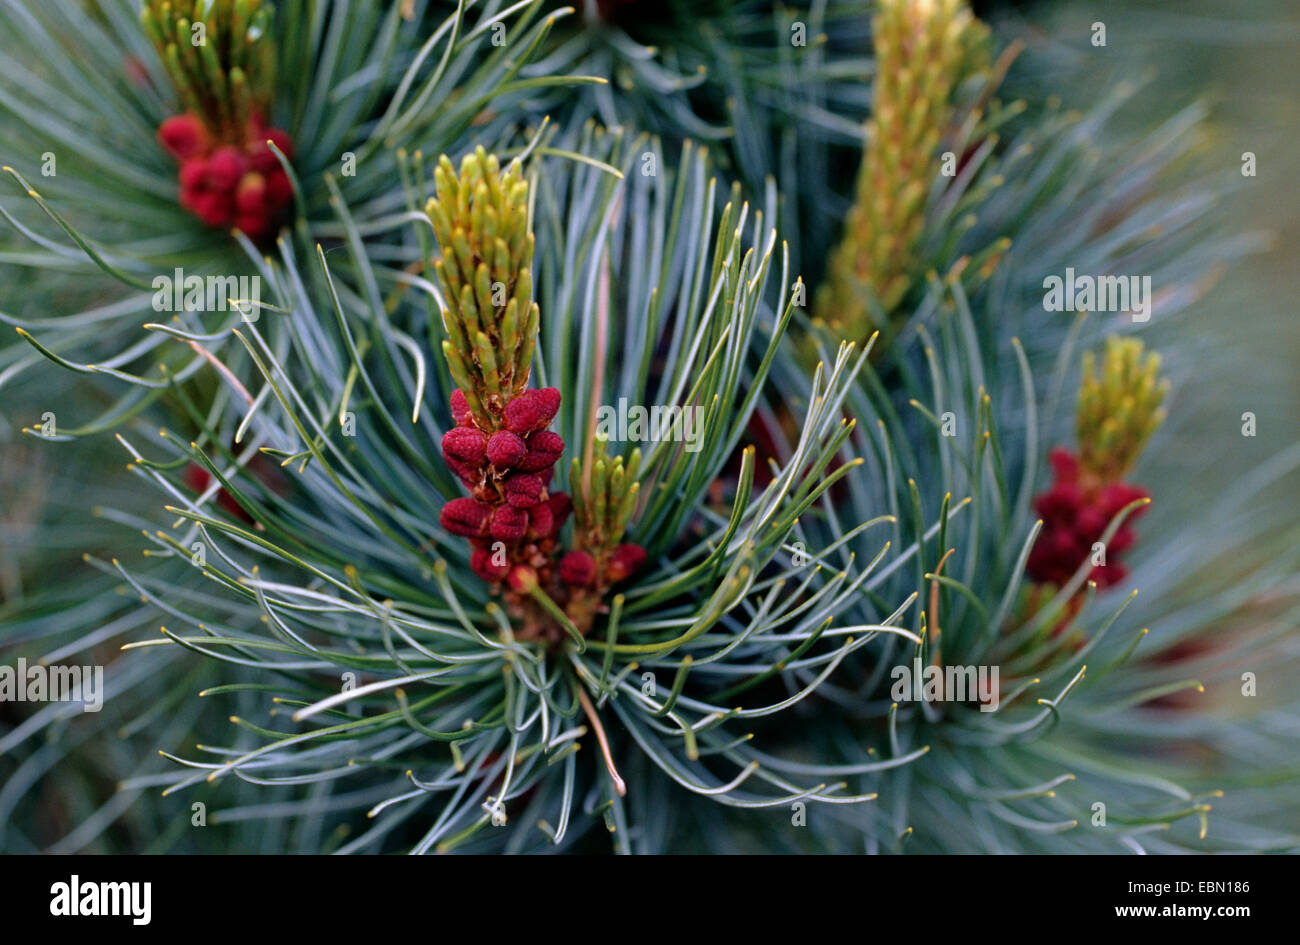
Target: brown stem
225 371
934 606
599 729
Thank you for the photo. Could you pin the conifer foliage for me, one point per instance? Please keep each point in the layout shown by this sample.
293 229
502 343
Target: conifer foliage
431 603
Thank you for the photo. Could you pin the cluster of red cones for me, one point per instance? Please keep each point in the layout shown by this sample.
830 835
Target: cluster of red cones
510 516
239 184
1075 513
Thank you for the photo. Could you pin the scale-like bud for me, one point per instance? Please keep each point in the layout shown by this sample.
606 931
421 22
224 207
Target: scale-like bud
480 220
1120 406
603 506
923 49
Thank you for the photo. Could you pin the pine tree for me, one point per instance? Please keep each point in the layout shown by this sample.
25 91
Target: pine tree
412 576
